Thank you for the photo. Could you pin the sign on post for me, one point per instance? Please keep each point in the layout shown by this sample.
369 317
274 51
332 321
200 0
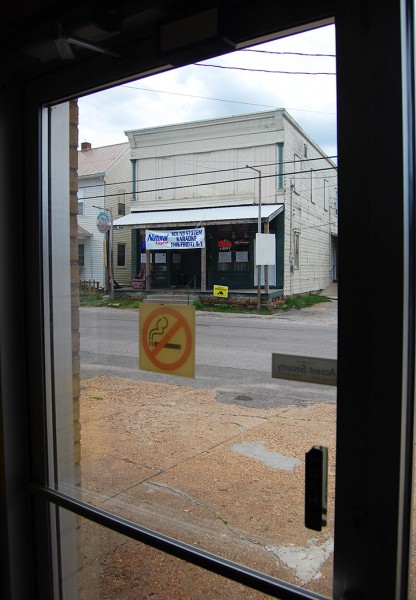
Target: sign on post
103 222
221 291
265 249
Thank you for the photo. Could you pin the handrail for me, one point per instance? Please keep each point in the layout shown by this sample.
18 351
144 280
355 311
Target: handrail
193 279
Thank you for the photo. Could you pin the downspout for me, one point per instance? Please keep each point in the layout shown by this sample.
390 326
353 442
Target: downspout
279 165
135 235
133 178
291 234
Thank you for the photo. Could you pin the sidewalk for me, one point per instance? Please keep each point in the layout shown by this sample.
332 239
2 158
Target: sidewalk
226 478
331 291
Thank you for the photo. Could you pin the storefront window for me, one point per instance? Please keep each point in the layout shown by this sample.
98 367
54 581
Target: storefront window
233 249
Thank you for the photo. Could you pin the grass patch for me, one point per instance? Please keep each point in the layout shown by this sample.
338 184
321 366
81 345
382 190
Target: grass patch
132 303
297 303
232 308
103 300
300 302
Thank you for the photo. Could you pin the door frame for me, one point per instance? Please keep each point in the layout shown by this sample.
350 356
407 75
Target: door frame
376 355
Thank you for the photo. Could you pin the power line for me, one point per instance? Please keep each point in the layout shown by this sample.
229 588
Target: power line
277 164
133 87
211 183
287 53
263 70
200 97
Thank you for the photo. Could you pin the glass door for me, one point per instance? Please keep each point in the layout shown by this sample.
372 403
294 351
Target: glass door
213 465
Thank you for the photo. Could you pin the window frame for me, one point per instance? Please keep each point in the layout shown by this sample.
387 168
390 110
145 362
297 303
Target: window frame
359 396
81 255
119 246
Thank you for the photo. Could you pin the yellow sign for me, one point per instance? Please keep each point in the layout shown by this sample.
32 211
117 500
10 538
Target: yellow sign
221 290
167 339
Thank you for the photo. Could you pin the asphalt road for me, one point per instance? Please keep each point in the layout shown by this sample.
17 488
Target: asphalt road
233 352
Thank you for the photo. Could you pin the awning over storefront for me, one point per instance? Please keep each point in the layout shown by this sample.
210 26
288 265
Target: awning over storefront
199 216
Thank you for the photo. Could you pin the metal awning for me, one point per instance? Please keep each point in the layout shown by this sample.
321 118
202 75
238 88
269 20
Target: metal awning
199 216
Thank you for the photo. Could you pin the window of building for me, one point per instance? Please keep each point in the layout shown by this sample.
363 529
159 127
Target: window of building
280 165
81 255
121 255
296 240
81 197
121 209
233 249
297 166
311 184
326 190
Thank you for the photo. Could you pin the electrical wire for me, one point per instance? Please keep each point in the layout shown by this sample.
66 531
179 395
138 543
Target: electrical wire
133 87
262 70
193 185
287 53
195 173
199 97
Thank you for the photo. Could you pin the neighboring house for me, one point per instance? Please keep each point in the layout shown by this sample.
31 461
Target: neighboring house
211 174
103 176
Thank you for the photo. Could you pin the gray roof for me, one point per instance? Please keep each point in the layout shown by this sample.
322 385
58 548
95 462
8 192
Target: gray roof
199 216
98 160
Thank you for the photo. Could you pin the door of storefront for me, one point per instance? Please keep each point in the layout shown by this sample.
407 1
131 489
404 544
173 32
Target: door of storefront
232 256
175 268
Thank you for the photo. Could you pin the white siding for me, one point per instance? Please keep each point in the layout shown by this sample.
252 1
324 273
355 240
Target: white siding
119 189
204 164
94 194
310 184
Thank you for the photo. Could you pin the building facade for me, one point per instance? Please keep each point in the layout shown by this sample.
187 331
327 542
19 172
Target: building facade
235 177
103 175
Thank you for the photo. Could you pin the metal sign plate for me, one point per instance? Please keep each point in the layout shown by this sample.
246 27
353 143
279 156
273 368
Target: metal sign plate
305 369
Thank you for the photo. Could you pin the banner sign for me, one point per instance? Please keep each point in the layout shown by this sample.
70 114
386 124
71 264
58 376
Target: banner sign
182 239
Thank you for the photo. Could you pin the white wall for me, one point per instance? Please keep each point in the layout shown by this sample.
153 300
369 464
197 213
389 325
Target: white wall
93 192
118 180
310 185
204 164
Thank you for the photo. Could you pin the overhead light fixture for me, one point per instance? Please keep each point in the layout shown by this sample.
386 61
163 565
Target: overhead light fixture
184 39
65 42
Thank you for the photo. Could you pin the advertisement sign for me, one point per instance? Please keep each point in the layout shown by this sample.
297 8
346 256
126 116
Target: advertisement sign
265 249
183 239
221 291
103 222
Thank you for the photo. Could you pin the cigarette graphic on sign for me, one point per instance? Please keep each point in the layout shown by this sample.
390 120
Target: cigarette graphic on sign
158 331
167 336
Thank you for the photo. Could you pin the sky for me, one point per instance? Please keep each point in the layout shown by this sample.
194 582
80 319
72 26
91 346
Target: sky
238 84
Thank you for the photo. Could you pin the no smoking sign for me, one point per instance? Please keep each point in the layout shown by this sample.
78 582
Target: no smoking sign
167 339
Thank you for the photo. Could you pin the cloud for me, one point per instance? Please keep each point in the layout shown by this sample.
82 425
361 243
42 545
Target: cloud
202 92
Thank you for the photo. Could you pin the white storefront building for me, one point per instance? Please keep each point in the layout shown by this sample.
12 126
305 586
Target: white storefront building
225 176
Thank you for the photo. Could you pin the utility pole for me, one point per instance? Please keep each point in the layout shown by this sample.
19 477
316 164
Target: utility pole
259 231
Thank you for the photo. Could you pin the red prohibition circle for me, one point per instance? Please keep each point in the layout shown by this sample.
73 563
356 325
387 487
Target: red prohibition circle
181 322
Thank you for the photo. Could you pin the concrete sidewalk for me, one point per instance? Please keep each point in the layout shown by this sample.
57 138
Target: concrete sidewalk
331 291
